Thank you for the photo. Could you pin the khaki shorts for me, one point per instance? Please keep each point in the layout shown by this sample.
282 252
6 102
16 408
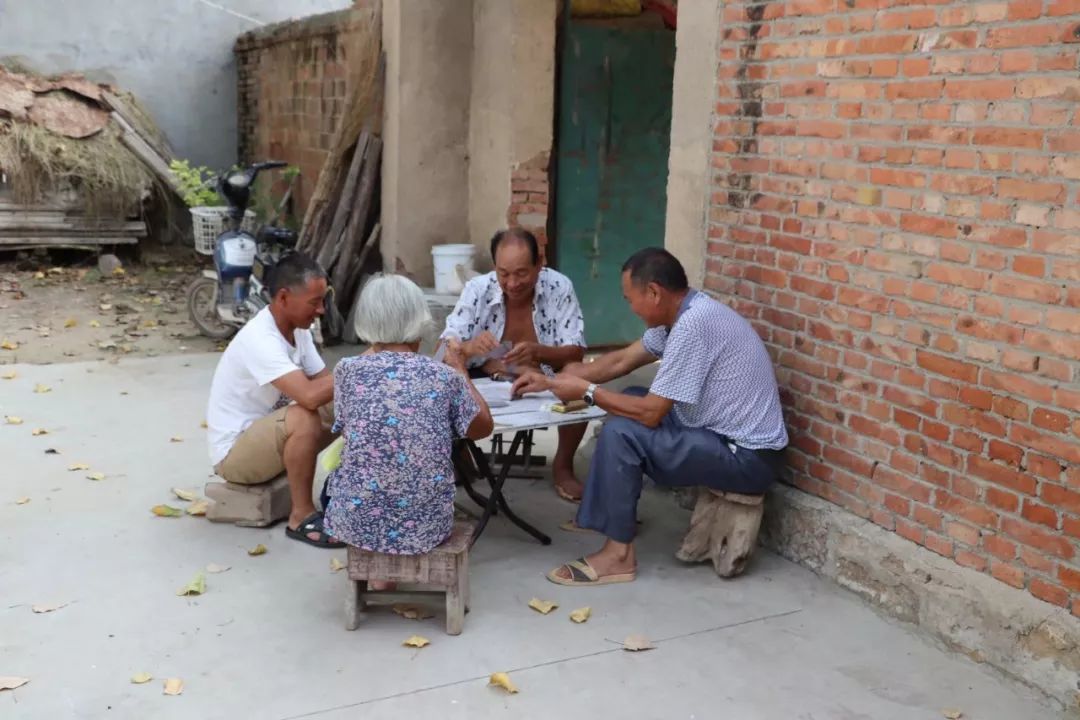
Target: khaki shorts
257 456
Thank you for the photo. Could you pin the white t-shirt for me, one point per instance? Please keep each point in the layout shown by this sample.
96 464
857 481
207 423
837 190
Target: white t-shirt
241 392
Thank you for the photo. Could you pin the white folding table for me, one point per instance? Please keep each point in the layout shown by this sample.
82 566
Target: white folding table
518 416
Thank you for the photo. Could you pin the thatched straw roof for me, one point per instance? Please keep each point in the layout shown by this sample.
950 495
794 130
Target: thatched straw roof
69 136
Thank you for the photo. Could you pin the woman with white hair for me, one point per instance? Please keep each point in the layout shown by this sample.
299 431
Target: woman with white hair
399 413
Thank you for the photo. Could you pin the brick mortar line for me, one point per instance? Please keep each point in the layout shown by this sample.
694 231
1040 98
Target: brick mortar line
1052 383
884 274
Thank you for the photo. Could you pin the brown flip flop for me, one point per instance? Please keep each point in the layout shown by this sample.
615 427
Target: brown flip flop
582 573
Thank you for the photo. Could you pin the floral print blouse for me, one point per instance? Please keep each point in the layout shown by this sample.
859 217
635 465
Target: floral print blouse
399 414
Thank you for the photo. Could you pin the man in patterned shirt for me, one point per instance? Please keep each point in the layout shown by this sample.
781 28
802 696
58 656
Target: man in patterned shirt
712 416
532 309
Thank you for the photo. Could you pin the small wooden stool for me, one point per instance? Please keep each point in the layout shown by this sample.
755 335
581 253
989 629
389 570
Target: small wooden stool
723 528
446 567
249 505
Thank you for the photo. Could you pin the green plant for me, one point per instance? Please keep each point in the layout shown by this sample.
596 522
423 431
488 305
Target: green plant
196 184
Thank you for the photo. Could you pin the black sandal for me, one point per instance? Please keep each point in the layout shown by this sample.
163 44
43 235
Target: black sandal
313 523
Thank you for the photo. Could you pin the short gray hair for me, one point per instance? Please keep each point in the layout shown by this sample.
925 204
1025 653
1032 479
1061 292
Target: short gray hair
391 310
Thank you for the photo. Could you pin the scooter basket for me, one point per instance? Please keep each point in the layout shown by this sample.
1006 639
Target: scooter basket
209 222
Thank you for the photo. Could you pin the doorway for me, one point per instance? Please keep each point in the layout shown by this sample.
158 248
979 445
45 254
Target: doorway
614 133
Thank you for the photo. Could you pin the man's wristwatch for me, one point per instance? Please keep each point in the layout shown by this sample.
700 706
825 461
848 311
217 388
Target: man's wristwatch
590 395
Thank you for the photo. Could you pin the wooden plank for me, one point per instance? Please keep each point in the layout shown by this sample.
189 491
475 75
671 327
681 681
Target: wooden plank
332 242
146 153
65 240
361 209
121 107
64 224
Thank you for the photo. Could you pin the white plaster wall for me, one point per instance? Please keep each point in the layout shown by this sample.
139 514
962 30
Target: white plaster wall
425 196
693 96
174 55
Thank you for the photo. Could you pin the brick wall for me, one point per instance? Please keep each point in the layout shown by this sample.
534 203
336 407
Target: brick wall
895 208
530 193
292 91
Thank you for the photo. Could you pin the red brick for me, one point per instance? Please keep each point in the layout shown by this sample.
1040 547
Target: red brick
1008 137
999 547
1038 513
971 560
1007 574
1009 454
1059 497
1049 420
1065 449
1022 36
1035 537
1049 592
1000 474
909 531
927 517
1002 499
947 366
939 545
1069 577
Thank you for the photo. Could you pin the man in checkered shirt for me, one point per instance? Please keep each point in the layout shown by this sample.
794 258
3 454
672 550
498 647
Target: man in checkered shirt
712 416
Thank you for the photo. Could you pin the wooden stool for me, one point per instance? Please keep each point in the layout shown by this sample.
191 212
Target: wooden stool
446 567
723 528
249 505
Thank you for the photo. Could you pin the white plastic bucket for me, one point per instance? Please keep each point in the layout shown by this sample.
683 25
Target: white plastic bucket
446 259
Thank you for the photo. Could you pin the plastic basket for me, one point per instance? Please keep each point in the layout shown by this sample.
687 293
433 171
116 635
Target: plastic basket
209 222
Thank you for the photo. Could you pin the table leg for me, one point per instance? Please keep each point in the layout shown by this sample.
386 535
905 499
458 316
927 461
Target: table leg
496 498
467 472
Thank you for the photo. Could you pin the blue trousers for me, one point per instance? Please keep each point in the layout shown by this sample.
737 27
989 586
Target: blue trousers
672 455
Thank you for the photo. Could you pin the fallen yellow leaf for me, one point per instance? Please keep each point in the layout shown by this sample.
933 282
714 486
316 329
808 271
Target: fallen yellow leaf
199 507
173 686
13 420
10 682
95 323
149 323
542 606
41 389
187 495
637 643
336 565
140 678
105 306
118 271
9 345
501 679
96 476
166 511
413 612
70 323
416 641
581 614
39 431
952 714
39 275
78 466
22 501
215 568
203 424
176 438
197 586
48 608
10 375
259 549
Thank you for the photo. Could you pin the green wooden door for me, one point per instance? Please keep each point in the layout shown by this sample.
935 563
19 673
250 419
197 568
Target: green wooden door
614 135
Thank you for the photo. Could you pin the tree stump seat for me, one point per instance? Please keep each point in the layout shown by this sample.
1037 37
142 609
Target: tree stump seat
723 528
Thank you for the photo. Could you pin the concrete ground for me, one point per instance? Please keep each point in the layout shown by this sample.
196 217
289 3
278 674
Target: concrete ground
267 641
